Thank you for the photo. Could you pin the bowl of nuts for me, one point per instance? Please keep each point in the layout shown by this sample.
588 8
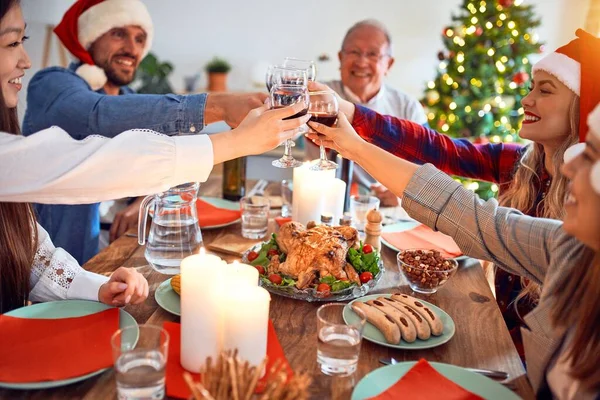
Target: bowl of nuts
425 270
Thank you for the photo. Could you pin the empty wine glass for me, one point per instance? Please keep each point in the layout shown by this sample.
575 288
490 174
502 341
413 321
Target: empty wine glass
280 75
307 65
283 96
323 108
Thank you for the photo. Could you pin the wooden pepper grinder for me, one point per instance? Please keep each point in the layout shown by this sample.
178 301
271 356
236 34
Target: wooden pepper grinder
373 229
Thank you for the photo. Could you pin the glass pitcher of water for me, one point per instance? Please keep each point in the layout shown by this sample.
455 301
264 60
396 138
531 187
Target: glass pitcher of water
174 233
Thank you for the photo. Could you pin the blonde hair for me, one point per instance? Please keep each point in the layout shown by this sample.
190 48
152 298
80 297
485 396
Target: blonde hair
523 191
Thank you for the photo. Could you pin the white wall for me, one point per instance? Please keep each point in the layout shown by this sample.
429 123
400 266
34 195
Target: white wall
251 34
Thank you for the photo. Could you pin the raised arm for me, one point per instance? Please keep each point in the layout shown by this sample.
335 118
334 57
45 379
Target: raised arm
513 241
52 167
416 143
56 94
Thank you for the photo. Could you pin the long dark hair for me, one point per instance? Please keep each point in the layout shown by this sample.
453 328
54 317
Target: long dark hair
18 231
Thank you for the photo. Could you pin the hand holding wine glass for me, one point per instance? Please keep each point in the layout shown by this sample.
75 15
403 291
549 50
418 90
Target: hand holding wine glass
323 109
282 96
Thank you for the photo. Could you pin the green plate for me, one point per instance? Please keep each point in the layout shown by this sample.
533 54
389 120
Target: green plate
167 298
58 310
225 204
373 334
381 379
401 227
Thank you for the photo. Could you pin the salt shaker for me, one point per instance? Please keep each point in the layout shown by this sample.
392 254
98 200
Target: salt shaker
373 228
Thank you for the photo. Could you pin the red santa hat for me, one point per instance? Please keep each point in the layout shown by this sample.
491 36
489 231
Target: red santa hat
577 66
87 20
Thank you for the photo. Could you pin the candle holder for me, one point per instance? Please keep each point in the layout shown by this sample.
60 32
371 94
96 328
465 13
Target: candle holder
231 378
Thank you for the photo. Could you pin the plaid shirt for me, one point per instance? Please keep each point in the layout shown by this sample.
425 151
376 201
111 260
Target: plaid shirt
536 248
492 162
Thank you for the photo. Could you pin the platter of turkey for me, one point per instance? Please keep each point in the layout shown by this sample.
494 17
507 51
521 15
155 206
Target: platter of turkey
316 263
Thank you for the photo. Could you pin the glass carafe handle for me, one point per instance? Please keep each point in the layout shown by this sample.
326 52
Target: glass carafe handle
143 218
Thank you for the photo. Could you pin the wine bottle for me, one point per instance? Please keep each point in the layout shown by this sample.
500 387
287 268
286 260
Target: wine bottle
345 172
234 179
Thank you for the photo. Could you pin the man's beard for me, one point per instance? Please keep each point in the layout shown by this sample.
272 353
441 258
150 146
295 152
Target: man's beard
115 78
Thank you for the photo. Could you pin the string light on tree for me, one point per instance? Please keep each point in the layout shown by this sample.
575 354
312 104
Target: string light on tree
483 72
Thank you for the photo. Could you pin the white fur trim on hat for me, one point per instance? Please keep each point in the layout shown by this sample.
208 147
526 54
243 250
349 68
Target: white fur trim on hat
93 75
593 121
573 151
566 69
109 14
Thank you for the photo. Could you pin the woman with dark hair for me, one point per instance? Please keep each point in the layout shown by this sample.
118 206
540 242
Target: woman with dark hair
51 167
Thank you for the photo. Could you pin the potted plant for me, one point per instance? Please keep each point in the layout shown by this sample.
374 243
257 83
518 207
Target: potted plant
217 70
152 76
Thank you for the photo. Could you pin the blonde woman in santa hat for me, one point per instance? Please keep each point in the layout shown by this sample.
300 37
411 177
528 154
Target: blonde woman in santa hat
564 89
561 336
51 167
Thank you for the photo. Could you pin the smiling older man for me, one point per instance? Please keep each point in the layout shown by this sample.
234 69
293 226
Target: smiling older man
109 39
365 60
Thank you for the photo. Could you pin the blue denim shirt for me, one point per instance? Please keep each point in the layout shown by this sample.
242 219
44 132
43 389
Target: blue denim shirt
58 96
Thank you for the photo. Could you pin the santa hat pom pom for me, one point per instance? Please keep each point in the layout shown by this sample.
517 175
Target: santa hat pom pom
572 152
595 177
93 75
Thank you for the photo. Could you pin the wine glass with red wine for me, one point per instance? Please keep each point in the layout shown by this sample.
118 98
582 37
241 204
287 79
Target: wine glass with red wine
280 75
283 96
323 108
307 65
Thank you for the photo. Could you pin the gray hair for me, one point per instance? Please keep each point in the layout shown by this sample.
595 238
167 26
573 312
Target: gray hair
372 23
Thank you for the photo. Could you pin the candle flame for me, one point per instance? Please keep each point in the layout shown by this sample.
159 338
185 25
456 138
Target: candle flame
202 251
236 262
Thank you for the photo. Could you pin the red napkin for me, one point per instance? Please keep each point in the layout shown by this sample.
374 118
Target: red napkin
282 220
209 215
422 237
176 386
34 350
423 382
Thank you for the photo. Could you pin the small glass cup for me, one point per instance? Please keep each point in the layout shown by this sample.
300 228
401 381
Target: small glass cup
255 216
286 198
338 347
140 361
359 205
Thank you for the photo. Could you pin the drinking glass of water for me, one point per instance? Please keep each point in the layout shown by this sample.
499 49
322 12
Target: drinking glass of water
255 216
286 198
339 343
140 361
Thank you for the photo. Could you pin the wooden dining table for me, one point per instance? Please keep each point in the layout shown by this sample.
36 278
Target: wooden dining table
481 339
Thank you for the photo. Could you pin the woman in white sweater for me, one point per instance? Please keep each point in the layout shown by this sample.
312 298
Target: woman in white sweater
51 167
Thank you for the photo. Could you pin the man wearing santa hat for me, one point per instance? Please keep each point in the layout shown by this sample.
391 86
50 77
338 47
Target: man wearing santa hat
109 39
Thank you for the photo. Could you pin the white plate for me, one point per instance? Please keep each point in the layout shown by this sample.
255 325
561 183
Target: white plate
225 204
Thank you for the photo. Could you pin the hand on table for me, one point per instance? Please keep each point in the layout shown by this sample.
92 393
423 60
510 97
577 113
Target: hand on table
125 219
125 286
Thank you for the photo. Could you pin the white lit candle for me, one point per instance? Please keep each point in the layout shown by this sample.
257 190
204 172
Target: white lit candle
310 193
241 274
201 317
247 322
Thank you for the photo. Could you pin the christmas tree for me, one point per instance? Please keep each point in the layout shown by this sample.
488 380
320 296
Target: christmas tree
483 75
